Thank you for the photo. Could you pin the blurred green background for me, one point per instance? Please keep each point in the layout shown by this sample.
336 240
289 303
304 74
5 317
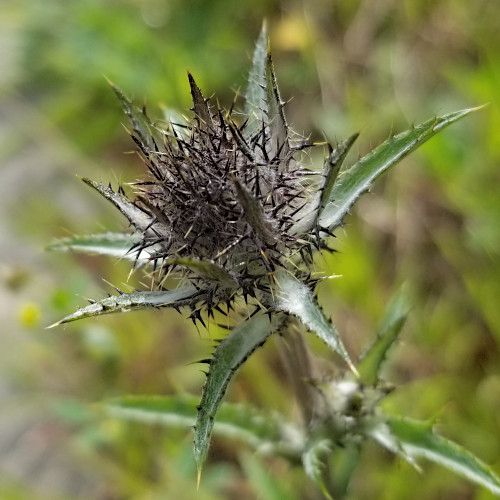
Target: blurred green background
374 66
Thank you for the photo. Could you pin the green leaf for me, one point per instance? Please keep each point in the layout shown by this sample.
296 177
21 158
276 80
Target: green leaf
229 355
332 166
116 245
313 460
149 135
200 105
394 319
133 302
358 179
344 463
170 411
416 439
138 218
254 214
280 147
257 429
295 298
255 94
208 270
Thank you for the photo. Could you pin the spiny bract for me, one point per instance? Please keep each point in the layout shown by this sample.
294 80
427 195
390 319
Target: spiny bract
225 202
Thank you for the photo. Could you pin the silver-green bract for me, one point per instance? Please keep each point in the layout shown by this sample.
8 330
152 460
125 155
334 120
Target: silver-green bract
229 209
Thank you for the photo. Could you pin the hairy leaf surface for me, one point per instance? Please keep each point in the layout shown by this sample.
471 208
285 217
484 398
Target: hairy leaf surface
295 298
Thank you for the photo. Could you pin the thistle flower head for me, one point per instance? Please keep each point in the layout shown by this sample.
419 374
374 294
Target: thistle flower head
224 202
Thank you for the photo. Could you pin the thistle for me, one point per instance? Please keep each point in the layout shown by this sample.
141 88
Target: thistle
233 211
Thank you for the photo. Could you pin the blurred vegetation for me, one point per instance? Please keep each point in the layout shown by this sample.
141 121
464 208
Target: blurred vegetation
434 222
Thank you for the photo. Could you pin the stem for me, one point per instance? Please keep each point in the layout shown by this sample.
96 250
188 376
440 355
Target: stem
296 359
302 372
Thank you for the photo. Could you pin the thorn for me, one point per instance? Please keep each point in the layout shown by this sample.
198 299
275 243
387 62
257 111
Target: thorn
353 368
206 361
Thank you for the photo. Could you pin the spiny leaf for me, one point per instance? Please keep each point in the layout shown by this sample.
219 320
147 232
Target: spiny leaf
295 298
241 422
200 105
332 166
145 130
227 358
313 462
355 181
394 319
254 214
417 439
170 411
383 435
133 302
280 147
135 215
208 270
116 245
255 95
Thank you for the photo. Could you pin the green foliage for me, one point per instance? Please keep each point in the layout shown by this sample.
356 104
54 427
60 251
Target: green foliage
229 355
110 244
259 430
279 282
358 179
371 362
295 298
414 439
126 302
